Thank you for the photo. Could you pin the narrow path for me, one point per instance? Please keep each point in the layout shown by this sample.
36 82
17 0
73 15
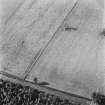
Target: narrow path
70 96
30 67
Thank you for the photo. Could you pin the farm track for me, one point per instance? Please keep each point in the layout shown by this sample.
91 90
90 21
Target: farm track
28 70
70 96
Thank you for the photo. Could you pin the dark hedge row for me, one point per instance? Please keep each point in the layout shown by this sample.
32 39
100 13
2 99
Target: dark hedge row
16 94
98 98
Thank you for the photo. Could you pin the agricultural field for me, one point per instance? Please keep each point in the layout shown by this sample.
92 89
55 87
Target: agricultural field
59 42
